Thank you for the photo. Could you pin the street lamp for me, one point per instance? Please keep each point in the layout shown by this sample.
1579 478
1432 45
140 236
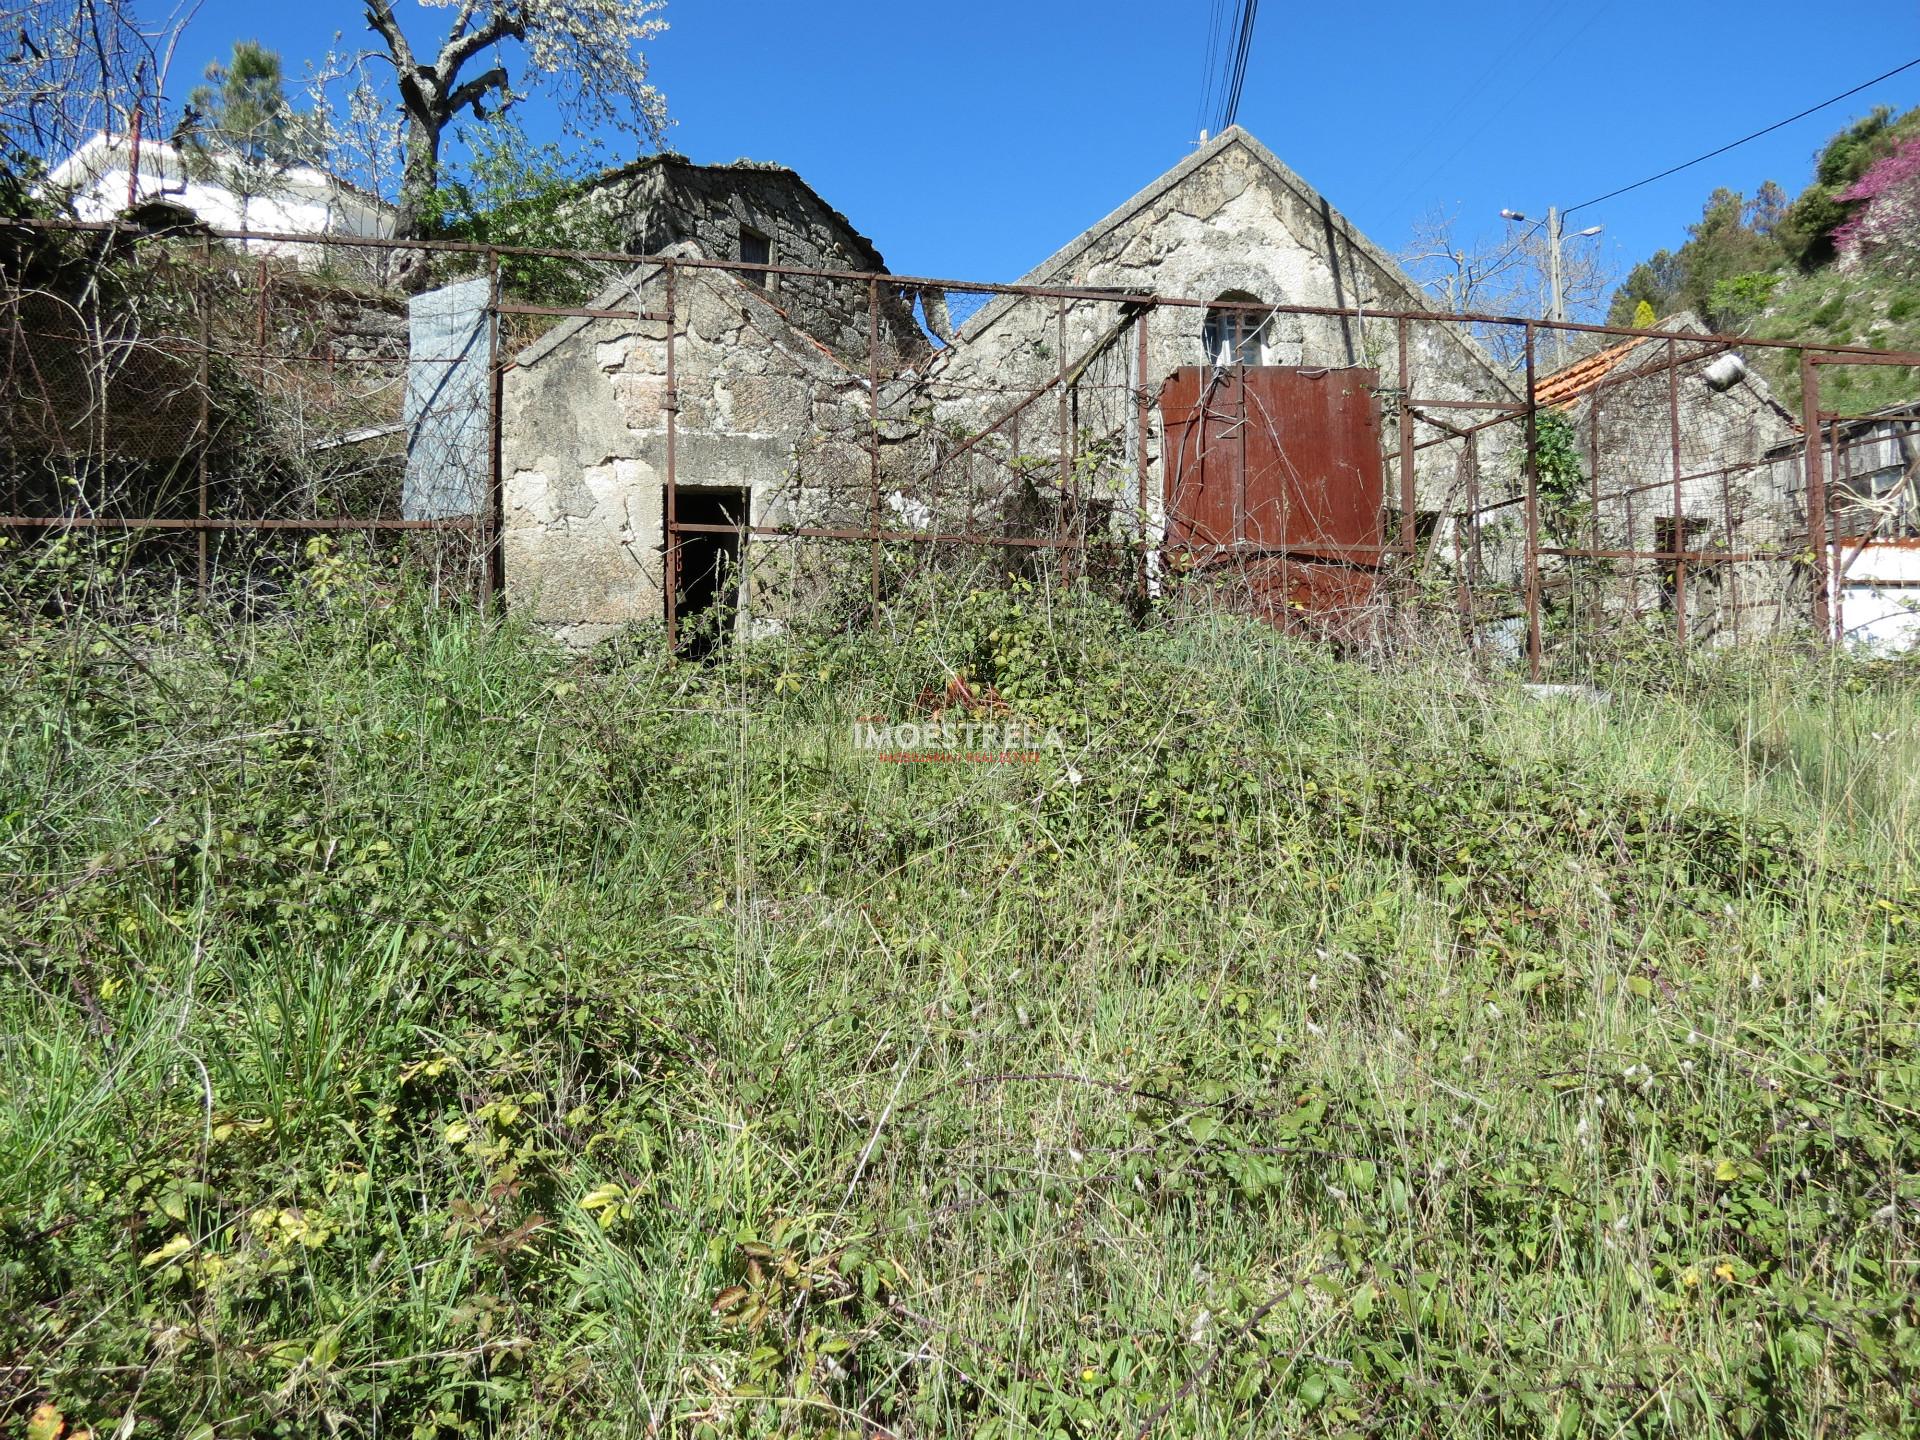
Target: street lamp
1556 291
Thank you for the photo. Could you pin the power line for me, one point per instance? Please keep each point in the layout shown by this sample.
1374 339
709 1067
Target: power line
1207 71
1249 12
1222 99
1444 129
1469 135
1501 258
1675 170
1778 124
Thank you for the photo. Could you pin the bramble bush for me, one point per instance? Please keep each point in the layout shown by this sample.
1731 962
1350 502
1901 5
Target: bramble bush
412 1028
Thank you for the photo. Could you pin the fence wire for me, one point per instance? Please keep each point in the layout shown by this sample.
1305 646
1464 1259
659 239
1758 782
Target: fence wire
718 447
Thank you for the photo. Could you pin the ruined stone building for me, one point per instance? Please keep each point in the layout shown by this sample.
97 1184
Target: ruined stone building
781 421
1674 438
1212 420
770 369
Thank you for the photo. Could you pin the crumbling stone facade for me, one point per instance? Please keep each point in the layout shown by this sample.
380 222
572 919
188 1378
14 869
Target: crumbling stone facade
814 405
772 381
758 214
1622 404
1229 223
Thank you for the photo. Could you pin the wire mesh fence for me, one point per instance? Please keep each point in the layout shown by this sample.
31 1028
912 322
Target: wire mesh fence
725 447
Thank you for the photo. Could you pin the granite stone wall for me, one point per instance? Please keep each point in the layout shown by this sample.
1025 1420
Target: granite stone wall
1730 500
666 203
763 407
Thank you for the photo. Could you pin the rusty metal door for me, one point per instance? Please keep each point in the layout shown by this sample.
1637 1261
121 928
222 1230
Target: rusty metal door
1274 480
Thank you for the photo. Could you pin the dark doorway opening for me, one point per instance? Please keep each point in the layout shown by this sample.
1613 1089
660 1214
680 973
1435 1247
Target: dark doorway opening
1671 537
709 589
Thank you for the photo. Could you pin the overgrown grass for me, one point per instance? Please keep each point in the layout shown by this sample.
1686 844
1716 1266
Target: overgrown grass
412 1030
1843 307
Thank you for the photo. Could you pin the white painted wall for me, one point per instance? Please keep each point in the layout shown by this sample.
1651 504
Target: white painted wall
1879 597
300 201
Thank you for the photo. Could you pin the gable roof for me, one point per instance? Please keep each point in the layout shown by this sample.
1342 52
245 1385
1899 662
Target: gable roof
1564 387
673 160
1570 384
1234 137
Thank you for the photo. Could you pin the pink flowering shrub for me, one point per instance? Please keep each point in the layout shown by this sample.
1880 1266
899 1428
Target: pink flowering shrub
1888 218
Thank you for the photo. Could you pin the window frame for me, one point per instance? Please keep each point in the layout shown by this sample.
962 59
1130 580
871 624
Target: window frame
1236 337
760 279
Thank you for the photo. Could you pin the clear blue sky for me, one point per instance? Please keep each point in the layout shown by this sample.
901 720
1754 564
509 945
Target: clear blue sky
970 141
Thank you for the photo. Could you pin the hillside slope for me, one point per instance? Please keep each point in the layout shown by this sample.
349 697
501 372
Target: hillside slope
412 1030
1838 265
1867 305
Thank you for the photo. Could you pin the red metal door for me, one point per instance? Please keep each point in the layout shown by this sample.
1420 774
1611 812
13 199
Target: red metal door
1274 479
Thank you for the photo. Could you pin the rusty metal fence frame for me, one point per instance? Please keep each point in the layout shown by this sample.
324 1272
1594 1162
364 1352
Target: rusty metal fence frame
1820 430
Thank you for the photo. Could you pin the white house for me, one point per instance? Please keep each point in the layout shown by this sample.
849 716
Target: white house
99 181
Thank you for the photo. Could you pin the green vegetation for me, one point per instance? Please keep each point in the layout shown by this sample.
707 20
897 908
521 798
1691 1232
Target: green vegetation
1807 228
515 193
412 1030
1844 308
1765 267
242 113
1740 248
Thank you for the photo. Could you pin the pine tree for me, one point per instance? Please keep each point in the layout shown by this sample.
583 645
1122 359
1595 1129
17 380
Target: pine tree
243 111
239 129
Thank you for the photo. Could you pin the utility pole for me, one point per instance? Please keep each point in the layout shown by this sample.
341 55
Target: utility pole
1556 306
1556 292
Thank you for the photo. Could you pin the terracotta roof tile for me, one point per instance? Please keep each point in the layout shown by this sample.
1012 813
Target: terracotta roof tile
1564 386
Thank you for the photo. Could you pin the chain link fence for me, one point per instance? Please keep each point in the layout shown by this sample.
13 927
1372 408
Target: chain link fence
721 447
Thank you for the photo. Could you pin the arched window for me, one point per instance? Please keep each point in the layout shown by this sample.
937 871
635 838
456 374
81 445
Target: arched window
1236 337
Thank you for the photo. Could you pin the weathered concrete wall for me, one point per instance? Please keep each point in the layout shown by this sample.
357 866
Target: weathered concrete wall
763 407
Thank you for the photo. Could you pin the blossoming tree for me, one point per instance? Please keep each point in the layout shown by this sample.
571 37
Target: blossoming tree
586 52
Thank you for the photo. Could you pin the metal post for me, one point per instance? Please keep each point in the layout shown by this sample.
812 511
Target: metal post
203 432
1729 571
1678 534
1533 513
1238 535
672 408
1066 460
1840 469
1474 568
1593 486
873 440
1408 499
1142 423
493 520
1816 490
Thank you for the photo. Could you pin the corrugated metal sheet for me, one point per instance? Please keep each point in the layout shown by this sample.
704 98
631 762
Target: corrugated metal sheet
447 413
1274 481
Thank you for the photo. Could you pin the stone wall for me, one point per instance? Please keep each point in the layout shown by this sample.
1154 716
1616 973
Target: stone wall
763 407
774 398
1232 221
667 204
1732 500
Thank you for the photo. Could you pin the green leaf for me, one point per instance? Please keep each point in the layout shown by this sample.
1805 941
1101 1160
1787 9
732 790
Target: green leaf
172 1250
